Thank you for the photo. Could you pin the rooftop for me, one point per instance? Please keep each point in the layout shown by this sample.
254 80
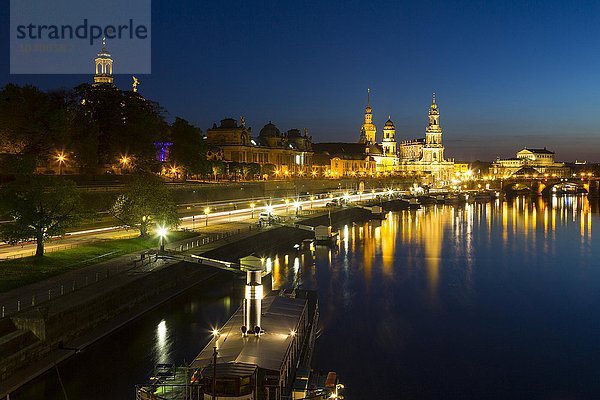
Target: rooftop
280 316
341 148
539 151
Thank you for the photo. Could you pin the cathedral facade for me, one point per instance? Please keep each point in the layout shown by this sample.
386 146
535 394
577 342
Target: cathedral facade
385 153
425 156
422 156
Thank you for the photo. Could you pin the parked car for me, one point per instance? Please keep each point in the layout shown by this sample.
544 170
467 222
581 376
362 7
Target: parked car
333 203
267 217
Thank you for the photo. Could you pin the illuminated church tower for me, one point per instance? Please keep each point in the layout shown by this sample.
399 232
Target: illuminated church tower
368 129
433 150
104 66
389 138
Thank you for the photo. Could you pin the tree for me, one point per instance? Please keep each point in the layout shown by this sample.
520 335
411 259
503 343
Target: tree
268 169
217 167
35 122
41 208
189 149
254 170
146 201
107 123
234 169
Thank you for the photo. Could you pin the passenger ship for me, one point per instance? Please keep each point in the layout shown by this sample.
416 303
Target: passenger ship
263 352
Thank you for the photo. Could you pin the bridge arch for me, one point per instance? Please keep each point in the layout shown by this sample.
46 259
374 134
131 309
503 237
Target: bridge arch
516 188
565 187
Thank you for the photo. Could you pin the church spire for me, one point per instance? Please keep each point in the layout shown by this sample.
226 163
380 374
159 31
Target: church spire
368 130
104 66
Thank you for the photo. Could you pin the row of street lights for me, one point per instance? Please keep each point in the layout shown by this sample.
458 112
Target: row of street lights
162 231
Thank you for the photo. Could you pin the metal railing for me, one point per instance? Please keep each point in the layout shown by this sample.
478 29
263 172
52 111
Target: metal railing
80 280
75 282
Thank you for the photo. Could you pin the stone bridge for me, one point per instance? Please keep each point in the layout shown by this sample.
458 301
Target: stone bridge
548 186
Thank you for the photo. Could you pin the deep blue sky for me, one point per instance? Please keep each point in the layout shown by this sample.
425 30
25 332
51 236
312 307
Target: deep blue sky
507 74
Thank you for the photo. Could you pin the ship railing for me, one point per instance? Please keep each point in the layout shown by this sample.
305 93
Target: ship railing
169 391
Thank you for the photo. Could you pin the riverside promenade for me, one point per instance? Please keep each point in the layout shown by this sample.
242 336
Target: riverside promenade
80 309
35 294
51 320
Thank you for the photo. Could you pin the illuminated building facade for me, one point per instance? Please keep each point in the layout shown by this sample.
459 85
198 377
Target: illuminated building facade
425 156
337 160
530 162
289 152
368 131
384 154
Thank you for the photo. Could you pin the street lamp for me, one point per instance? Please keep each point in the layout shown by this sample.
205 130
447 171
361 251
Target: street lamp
124 163
61 158
174 172
287 203
252 205
336 394
297 206
206 212
162 232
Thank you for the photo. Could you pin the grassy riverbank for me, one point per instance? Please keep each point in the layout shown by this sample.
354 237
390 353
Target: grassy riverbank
23 271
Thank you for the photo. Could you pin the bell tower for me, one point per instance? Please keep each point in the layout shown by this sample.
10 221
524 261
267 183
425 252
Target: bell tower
389 138
433 149
368 130
104 66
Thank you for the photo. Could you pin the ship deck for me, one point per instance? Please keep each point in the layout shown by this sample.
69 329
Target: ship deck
280 318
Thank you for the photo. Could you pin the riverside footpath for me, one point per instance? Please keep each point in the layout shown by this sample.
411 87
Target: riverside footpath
51 320
79 310
36 294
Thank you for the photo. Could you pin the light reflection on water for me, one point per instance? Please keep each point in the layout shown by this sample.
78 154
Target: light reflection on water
162 345
460 302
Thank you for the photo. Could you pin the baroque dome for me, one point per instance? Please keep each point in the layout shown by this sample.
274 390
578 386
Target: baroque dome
269 130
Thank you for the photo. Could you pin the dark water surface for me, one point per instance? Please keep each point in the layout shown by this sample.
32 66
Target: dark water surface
486 301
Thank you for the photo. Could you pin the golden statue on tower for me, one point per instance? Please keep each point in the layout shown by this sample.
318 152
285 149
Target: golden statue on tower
135 84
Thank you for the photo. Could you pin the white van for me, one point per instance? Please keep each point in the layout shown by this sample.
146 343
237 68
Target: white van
265 216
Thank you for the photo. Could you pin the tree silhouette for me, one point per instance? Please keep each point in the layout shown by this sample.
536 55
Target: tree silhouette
41 208
146 201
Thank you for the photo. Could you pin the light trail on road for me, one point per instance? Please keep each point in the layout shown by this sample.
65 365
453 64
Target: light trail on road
236 215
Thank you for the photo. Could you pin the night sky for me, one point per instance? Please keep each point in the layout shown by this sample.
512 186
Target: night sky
507 74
